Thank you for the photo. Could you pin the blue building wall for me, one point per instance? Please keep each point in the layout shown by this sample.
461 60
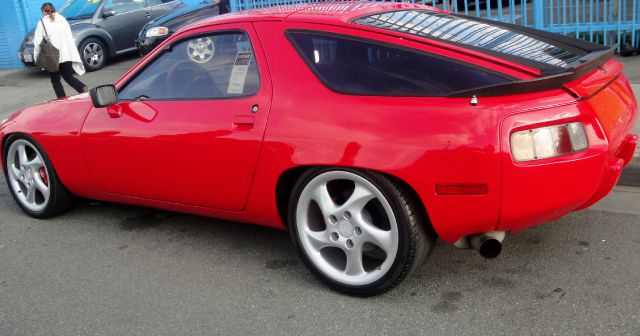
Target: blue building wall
17 17
11 26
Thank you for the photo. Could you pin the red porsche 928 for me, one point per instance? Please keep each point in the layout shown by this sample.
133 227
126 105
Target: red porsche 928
366 129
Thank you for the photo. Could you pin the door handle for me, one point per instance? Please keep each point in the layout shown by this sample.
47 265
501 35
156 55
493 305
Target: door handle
244 121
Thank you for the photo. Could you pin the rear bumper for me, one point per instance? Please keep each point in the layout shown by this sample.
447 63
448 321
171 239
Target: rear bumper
543 190
534 194
25 55
613 169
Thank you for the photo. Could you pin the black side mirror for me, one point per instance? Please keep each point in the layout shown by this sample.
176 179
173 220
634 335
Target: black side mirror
104 95
108 12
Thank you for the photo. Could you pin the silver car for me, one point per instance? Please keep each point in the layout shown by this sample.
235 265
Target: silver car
103 28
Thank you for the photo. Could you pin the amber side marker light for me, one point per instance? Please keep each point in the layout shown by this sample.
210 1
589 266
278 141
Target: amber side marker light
548 142
462 189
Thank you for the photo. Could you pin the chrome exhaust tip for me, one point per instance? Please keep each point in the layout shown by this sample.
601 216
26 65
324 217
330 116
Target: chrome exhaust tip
488 244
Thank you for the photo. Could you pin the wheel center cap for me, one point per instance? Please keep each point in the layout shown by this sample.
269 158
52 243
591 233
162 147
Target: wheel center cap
345 228
27 175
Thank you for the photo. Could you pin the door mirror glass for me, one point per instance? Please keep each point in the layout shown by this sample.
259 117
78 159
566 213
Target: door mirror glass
108 12
103 96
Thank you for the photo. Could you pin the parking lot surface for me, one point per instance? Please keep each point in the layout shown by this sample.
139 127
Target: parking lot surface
109 269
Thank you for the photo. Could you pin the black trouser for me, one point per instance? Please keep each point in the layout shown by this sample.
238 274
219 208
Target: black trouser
66 71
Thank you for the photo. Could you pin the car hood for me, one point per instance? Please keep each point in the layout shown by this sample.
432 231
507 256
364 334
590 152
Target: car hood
184 15
28 39
56 116
78 21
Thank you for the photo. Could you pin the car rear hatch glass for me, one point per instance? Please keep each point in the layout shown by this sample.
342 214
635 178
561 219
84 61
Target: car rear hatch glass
558 59
549 53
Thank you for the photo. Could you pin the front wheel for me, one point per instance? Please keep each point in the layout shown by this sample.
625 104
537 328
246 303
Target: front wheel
32 180
358 231
93 53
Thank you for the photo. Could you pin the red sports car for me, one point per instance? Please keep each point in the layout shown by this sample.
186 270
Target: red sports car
366 129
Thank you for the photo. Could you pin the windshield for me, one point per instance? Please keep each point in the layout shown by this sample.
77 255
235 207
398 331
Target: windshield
80 9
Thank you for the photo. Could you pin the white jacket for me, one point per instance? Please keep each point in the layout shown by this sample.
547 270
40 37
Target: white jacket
59 33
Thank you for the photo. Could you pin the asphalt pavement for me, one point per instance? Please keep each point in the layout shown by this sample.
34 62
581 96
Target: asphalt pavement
109 269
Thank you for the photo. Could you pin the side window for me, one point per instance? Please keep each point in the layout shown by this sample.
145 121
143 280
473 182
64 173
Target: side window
151 3
124 6
201 67
362 67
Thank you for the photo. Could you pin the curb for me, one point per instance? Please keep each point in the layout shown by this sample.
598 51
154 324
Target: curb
631 173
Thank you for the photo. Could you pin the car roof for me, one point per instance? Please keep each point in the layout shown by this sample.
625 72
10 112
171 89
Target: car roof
341 14
348 13
324 12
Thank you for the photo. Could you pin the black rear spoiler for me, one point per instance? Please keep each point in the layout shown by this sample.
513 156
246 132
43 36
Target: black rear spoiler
581 67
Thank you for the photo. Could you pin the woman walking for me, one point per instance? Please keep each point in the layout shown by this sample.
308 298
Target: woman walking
58 31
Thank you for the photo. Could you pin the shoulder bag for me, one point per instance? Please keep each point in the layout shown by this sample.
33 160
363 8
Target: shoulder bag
49 56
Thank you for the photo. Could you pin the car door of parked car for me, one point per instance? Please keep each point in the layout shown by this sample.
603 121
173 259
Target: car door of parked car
158 8
123 19
189 125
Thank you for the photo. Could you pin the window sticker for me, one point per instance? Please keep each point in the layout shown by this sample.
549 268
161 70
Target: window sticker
201 50
239 73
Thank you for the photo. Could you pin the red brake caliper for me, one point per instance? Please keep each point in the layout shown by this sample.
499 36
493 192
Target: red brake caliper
43 175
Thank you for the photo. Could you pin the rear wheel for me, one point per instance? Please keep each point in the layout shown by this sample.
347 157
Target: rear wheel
93 53
32 180
358 231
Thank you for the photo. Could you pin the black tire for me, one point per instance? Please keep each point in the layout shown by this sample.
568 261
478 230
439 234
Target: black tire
90 46
60 199
415 236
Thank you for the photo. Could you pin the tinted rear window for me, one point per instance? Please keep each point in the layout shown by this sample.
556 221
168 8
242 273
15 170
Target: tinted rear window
472 33
364 67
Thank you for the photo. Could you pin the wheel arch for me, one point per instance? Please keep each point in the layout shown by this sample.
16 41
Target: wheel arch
3 142
57 200
288 178
92 31
7 136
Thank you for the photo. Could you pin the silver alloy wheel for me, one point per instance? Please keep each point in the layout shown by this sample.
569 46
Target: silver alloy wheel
339 237
93 54
28 175
201 50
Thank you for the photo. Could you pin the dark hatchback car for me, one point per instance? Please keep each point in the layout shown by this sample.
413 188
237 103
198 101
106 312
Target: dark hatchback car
158 30
103 28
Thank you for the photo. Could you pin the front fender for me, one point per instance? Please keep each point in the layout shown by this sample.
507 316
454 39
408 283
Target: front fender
81 31
56 126
5 129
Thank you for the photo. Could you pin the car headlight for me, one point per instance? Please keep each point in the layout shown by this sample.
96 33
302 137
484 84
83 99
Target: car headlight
157 31
548 142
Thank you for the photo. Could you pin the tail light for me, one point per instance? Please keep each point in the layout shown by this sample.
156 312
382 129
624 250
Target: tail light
548 142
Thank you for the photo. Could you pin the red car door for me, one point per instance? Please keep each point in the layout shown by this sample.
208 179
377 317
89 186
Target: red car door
189 125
